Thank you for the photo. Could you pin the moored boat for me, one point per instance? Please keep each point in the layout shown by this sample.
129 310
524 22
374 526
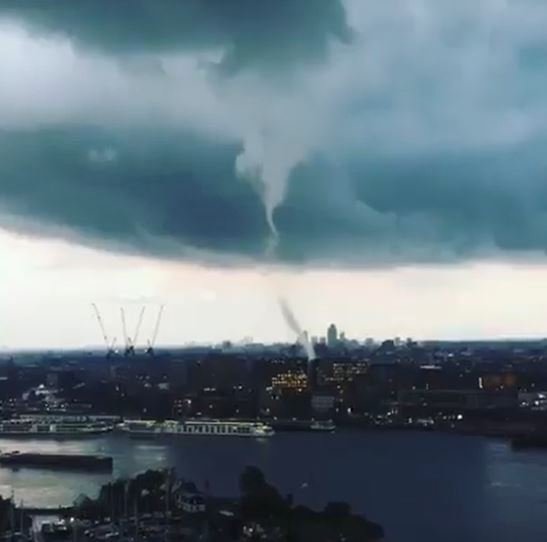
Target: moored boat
151 429
323 425
53 429
56 461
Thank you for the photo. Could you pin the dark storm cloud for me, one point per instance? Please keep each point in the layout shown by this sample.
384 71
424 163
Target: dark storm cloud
174 192
421 140
138 195
249 33
432 208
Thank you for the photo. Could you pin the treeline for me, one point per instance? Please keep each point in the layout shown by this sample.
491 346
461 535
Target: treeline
260 508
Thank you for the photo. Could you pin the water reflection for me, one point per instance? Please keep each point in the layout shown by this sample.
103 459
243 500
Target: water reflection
423 487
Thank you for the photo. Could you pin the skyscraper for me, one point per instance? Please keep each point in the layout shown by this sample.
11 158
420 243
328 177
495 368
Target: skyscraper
332 336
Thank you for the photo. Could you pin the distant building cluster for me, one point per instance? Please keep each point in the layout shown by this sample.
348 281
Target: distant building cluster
395 381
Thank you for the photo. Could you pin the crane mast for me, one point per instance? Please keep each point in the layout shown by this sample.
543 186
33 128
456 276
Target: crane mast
131 342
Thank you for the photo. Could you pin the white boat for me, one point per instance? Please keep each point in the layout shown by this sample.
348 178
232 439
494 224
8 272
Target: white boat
52 429
323 425
149 428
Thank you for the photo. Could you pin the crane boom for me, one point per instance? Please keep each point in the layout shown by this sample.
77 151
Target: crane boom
101 324
138 328
157 327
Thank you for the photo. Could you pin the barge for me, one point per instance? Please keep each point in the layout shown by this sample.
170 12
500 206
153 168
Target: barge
56 461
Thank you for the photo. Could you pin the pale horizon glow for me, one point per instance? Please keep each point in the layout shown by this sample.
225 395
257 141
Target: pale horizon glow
49 285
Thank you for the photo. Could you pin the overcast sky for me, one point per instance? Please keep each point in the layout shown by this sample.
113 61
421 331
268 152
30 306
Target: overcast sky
380 164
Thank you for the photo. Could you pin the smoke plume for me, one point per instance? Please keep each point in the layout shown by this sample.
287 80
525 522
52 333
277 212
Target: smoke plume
293 324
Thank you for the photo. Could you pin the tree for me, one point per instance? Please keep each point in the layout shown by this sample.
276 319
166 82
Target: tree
259 499
337 510
251 480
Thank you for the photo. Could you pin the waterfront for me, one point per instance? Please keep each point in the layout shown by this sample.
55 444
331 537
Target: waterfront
422 487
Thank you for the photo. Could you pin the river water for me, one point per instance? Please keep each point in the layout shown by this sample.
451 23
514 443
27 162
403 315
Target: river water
422 487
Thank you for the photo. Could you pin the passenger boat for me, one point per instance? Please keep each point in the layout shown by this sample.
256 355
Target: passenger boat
52 429
149 428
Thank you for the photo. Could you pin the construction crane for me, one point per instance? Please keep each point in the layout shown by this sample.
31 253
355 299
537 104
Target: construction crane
131 342
129 348
138 328
152 341
109 344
